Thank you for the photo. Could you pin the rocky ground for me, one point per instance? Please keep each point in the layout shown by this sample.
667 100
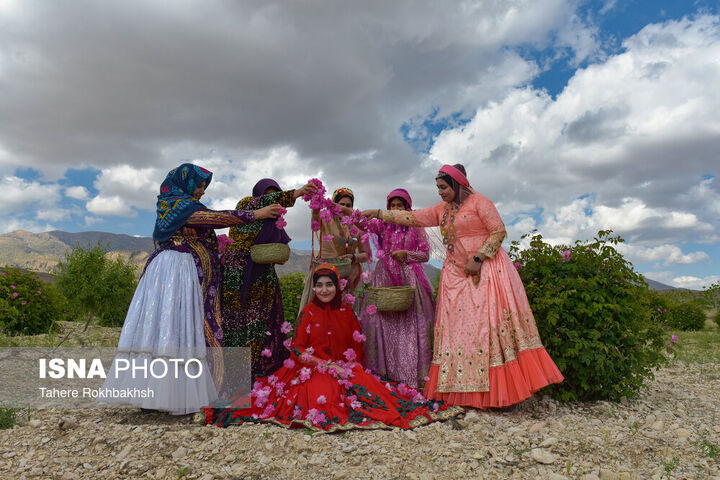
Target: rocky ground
670 431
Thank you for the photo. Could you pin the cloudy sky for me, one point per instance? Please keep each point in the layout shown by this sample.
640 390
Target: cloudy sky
572 116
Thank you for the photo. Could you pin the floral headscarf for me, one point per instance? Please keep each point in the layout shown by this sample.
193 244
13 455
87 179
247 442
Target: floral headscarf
176 203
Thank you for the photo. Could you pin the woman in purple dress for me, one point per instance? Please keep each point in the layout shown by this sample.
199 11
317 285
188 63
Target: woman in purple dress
399 344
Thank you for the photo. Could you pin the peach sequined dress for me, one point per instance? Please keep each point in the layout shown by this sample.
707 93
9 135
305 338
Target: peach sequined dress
487 350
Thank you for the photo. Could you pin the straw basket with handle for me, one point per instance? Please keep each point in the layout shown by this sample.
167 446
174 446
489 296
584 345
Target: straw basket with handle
270 253
391 299
342 264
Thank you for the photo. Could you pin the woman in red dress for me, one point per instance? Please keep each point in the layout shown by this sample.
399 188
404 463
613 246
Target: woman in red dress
323 385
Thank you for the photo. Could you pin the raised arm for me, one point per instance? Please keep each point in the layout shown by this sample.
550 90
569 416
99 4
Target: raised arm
219 218
426 217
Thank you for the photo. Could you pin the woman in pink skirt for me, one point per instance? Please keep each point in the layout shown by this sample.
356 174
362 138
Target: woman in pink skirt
487 350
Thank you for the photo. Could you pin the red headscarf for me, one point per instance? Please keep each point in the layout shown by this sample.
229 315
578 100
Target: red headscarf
327 270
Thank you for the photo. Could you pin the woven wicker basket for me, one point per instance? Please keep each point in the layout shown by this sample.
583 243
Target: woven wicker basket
390 299
342 264
270 253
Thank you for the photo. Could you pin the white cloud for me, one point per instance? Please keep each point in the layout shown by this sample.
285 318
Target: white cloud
627 145
90 221
694 283
78 193
114 205
56 214
20 194
665 254
11 224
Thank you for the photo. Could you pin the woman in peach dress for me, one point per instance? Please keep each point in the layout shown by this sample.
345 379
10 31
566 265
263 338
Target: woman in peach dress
487 350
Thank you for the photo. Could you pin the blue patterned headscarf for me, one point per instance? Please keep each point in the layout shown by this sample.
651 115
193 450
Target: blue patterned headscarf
176 203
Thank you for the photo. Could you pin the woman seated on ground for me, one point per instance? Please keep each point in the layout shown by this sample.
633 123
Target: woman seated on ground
323 385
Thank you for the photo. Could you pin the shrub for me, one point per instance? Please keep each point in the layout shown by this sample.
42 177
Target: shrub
291 287
28 306
8 418
686 316
717 318
96 285
594 315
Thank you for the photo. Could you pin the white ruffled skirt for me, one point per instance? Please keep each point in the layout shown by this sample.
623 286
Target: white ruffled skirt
163 329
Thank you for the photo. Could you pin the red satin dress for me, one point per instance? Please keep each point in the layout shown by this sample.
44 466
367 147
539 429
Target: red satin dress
301 394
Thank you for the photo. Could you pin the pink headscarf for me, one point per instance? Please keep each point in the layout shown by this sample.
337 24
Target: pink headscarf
389 237
459 184
400 193
456 174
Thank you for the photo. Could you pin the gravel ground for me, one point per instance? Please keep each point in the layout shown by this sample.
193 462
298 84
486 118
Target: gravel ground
670 431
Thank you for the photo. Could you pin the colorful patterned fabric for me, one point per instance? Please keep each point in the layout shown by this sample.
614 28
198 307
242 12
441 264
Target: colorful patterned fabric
399 344
343 192
176 203
487 351
200 241
307 391
246 320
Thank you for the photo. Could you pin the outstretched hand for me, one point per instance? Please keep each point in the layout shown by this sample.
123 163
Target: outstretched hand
271 211
308 188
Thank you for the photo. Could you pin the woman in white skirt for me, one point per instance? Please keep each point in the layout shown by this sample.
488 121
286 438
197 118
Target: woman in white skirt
169 357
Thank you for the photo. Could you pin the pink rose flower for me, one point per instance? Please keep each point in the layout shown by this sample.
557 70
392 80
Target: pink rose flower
272 379
315 226
288 363
366 276
326 215
266 353
321 400
354 231
674 339
350 355
15 294
358 337
286 327
305 374
566 255
371 309
297 412
349 299
287 343
343 283
328 238
518 265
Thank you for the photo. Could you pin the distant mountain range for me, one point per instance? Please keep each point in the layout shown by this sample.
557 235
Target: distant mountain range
41 252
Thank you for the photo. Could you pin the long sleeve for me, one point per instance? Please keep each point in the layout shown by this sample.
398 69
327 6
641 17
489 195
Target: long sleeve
356 345
219 218
426 217
302 338
418 256
494 225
